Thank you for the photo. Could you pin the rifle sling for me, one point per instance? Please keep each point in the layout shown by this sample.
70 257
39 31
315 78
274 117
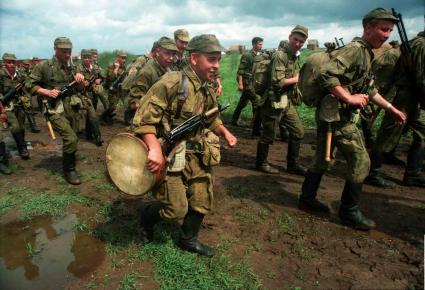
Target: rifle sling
181 94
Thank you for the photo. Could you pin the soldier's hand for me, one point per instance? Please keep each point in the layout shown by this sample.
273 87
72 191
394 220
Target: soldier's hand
219 90
156 160
97 81
358 100
399 117
240 87
53 93
231 140
79 77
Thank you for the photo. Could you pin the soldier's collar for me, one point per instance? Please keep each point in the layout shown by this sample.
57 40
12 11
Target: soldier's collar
163 69
197 83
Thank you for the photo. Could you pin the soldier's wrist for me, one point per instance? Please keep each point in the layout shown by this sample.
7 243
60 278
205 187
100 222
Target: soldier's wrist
388 106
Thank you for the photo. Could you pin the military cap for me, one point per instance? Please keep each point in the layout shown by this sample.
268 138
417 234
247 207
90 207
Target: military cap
154 46
121 53
181 34
85 52
8 56
26 61
166 43
63 42
301 30
205 43
380 13
93 51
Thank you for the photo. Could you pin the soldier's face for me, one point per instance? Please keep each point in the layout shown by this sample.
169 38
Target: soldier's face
296 41
258 46
378 34
94 56
121 59
205 65
63 54
165 57
86 60
10 64
181 45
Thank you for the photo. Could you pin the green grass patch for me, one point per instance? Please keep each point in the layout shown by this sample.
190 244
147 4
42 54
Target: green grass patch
238 190
130 282
287 225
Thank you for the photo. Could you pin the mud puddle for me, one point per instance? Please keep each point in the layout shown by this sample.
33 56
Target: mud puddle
46 253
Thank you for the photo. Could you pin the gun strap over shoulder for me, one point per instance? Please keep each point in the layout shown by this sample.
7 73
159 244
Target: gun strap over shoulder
181 94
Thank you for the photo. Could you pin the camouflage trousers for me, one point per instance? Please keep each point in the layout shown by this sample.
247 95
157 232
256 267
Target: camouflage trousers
347 138
246 96
389 133
271 118
16 119
63 125
113 99
99 94
191 188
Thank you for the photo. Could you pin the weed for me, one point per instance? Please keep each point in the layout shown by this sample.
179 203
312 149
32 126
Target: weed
95 174
263 213
286 224
31 251
129 282
238 190
247 217
106 186
271 275
80 225
6 204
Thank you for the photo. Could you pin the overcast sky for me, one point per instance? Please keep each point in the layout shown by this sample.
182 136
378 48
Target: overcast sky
29 27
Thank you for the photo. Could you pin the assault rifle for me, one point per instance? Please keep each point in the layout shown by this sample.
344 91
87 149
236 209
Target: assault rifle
405 48
11 94
63 90
117 82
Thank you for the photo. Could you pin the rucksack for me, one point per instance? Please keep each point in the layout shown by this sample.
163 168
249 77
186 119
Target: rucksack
133 70
260 71
384 67
308 85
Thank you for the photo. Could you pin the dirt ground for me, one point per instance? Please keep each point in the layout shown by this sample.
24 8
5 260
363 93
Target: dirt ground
258 212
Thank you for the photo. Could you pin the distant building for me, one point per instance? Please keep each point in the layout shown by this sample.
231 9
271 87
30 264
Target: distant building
235 48
312 44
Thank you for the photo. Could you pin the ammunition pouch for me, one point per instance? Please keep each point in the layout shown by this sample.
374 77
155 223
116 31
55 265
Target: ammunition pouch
295 95
211 145
75 102
178 162
281 102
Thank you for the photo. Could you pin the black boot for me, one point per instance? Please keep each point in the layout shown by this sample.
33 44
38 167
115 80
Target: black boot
149 217
375 176
189 239
95 129
31 120
21 144
71 175
261 163
293 165
307 200
237 113
413 175
256 123
3 160
349 211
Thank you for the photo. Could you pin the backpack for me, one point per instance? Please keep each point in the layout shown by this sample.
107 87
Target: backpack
308 85
260 71
384 67
133 71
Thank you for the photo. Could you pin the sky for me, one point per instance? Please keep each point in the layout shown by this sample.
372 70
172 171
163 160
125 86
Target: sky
29 27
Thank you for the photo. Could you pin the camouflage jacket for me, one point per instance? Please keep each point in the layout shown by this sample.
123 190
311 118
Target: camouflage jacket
133 70
7 83
90 74
149 75
349 67
245 65
111 76
158 108
283 65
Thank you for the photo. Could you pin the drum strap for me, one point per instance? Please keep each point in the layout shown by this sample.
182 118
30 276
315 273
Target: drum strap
181 94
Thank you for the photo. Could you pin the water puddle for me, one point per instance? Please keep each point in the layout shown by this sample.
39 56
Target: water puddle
46 253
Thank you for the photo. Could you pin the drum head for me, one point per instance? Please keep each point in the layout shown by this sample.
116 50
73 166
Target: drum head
126 158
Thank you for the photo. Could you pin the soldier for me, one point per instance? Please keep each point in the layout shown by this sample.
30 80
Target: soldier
3 155
410 98
91 76
9 78
245 85
187 192
46 79
181 37
278 104
115 73
98 90
164 55
344 77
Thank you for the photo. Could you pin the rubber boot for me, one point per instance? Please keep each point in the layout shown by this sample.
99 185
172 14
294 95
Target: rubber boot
256 123
189 238
293 165
149 217
33 124
261 163
69 171
413 175
3 160
307 200
349 212
375 176
95 129
21 145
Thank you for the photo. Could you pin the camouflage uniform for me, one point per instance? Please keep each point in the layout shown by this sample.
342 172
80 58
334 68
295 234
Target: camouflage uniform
26 101
186 194
409 92
15 107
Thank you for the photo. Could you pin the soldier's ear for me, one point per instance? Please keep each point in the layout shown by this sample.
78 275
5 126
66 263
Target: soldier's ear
194 58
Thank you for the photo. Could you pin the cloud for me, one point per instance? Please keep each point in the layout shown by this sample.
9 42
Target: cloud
29 28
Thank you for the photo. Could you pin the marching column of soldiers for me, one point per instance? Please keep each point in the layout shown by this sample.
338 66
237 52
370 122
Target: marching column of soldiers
179 78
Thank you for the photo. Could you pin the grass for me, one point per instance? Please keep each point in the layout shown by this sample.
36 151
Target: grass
238 190
130 282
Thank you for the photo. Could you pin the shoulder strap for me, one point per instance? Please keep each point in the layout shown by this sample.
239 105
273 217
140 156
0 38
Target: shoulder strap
181 94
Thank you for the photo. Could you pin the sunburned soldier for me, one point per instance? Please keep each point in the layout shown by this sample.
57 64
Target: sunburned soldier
187 192
410 98
150 74
46 79
91 75
278 105
345 76
245 85
9 78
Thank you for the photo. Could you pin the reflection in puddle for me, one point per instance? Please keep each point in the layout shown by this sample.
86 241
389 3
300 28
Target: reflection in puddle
60 254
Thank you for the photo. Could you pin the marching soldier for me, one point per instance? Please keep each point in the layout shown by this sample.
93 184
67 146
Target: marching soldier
187 192
98 90
54 80
181 38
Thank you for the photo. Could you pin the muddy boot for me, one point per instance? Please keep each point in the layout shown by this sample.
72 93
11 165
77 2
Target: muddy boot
189 238
94 125
413 175
3 160
375 176
293 165
391 159
33 124
284 133
349 212
21 145
256 123
149 217
307 200
261 163
71 175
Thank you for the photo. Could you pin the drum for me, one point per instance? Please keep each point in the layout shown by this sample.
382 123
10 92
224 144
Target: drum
126 158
